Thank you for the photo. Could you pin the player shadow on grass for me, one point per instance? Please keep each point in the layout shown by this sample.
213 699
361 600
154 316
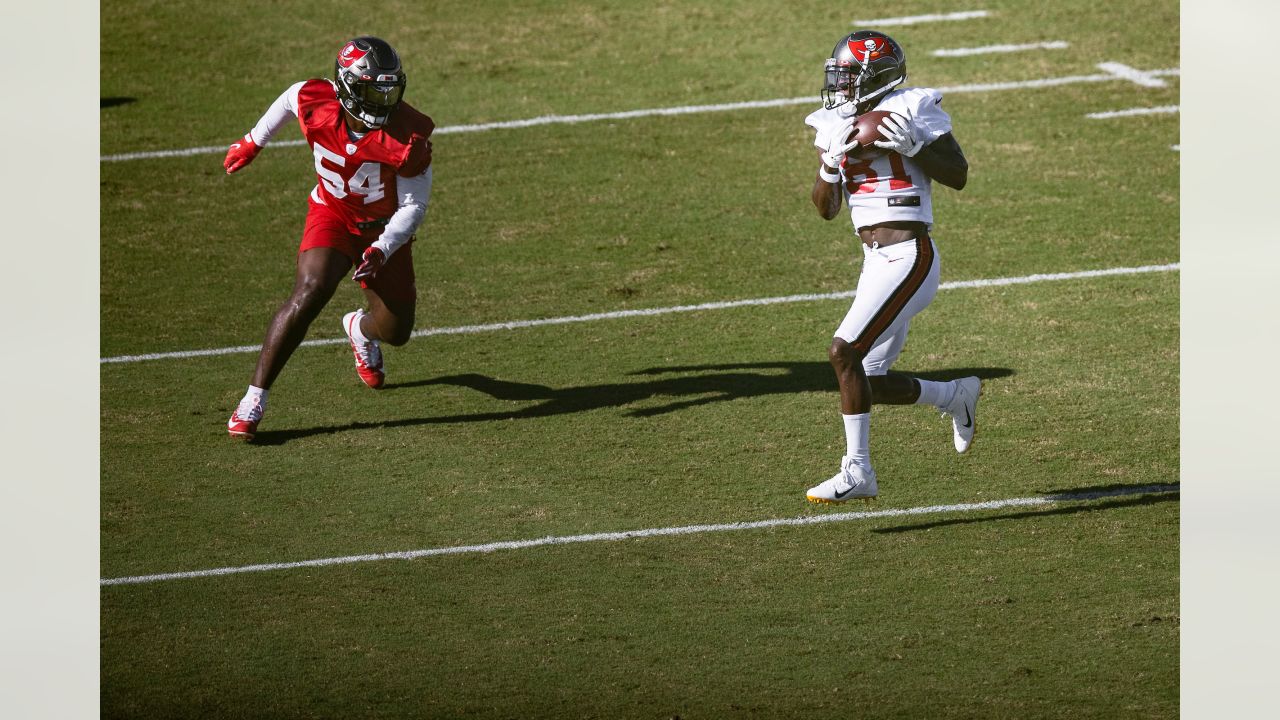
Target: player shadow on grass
696 385
1079 494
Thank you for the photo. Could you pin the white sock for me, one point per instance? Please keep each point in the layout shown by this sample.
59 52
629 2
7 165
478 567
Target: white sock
256 393
937 394
356 333
857 434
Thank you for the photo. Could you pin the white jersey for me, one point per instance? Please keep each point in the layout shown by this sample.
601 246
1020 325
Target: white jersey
886 186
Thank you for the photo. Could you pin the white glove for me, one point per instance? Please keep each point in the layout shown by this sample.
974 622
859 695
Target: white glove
837 147
900 137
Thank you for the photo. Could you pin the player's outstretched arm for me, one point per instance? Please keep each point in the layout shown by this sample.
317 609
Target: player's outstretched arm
282 111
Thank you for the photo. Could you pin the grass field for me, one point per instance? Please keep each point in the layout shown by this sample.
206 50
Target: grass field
1059 600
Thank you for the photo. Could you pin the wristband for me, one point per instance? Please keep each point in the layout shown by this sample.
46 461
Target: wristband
828 176
386 246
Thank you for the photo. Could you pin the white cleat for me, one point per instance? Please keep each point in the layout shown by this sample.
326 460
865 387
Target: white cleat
964 411
368 354
853 482
243 424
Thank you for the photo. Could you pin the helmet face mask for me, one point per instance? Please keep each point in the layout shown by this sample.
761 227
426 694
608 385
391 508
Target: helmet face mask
369 80
864 67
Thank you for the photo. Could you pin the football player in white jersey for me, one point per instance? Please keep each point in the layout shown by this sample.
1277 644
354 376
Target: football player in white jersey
888 190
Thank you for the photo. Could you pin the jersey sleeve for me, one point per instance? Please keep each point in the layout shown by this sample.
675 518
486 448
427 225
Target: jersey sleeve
417 159
312 101
820 120
928 117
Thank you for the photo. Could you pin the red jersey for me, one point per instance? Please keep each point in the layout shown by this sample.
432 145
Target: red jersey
357 178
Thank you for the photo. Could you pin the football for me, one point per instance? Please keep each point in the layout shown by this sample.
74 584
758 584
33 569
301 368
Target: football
866 128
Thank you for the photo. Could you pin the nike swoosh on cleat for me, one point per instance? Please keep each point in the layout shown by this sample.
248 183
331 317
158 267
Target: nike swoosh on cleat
968 419
840 495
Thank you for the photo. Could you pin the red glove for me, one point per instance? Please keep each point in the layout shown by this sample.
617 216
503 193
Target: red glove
241 153
373 260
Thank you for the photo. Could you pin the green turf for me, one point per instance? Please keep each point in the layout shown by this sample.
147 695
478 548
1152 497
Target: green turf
1064 610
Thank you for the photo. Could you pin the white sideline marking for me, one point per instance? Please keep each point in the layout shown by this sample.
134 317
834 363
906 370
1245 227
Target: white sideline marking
650 532
1161 110
1176 148
1120 70
913 19
684 110
964 52
514 324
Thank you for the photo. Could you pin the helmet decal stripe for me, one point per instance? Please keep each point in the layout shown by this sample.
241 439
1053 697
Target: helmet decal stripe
350 54
871 48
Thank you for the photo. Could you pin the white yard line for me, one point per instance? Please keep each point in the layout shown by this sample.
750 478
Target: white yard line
917 19
647 533
616 314
1054 82
989 49
1113 71
1141 77
1161 110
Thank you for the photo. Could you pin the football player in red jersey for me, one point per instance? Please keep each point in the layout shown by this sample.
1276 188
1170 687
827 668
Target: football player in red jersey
372 156
890 197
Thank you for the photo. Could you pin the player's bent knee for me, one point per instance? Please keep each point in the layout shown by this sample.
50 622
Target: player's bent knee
835 352
842 354
309 301
310 290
